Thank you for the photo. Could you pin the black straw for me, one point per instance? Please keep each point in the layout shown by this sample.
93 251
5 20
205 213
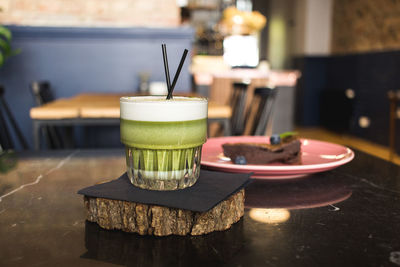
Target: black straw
166 69
178 71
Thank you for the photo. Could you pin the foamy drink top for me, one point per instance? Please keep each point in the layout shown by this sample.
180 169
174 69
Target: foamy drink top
157 108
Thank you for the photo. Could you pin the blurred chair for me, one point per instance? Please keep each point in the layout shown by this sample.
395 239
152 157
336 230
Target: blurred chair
43 94
238 104
199 88
260 112
394 101
6 141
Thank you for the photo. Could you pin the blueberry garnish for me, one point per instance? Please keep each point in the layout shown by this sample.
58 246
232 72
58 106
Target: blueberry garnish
240 160
275 139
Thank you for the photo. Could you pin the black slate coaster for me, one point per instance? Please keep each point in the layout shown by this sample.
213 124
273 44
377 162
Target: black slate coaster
210 189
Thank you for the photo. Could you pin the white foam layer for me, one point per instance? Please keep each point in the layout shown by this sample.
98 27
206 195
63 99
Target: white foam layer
156 108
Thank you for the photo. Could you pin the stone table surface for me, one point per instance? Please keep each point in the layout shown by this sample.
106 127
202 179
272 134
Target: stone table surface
349 216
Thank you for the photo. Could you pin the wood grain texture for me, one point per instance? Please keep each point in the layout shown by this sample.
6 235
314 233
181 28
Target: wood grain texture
163 221
101 106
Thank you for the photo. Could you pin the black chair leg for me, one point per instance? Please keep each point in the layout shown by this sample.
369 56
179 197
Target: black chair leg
20 136
69 137
54 137
264 118
5 137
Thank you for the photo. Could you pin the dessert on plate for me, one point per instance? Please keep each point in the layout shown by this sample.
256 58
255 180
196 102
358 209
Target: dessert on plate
284 148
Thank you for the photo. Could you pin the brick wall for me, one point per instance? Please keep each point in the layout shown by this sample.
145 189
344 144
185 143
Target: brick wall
98 13
365 25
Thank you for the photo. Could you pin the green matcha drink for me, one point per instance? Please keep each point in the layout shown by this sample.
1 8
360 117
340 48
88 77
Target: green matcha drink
163 140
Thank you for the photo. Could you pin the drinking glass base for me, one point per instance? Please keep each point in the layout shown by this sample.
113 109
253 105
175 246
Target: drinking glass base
164 169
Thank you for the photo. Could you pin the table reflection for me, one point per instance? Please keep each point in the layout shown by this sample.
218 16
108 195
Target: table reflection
129 249
307 192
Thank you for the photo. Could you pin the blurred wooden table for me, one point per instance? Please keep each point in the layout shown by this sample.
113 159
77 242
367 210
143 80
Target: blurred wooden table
99 109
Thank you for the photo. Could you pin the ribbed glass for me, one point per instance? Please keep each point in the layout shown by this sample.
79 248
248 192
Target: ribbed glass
163 169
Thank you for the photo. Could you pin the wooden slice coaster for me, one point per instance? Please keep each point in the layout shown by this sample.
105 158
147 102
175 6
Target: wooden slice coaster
162 221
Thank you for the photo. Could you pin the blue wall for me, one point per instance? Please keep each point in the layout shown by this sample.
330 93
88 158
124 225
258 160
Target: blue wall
76 60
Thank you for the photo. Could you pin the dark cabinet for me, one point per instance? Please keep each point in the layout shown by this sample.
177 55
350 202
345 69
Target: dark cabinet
348 93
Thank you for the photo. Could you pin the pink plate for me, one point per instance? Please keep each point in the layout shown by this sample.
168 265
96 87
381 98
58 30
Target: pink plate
317 156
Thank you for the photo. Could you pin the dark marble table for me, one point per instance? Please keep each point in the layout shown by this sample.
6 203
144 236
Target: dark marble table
346 217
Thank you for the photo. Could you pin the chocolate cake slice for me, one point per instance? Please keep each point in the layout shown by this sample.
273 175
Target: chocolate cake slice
287 151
